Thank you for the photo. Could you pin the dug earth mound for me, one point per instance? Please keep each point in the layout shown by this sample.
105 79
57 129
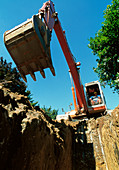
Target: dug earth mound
30 140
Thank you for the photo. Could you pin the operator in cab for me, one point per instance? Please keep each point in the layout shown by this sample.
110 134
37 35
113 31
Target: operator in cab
96 99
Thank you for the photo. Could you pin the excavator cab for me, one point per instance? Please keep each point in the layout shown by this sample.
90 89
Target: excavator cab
95 97
29 47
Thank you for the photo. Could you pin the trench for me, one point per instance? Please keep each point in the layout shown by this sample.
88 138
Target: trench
29 139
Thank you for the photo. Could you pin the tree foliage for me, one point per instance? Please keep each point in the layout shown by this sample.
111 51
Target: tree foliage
105 45
30 97
9 74
13 80
51 113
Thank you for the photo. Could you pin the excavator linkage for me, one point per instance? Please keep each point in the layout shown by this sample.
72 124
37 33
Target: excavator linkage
29 47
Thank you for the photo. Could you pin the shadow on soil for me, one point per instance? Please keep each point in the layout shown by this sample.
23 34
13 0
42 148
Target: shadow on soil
83 153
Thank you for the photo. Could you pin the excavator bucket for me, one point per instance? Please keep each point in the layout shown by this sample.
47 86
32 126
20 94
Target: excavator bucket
29 47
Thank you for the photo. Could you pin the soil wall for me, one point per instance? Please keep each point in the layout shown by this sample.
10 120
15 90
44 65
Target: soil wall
30 140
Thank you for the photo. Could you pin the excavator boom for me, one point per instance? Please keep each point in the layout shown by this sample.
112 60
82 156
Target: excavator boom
29 46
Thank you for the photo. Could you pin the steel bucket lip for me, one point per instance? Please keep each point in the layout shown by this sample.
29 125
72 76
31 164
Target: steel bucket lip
18 26
30 24
21 25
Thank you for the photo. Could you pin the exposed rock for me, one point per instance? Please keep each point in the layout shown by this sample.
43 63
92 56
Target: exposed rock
104 132
110 139
29 139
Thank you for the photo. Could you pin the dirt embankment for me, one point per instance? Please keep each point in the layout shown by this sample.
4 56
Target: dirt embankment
30 140
104 133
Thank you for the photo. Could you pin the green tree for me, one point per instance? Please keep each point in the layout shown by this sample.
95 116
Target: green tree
51 113
29 95
13 80
105 45
9 74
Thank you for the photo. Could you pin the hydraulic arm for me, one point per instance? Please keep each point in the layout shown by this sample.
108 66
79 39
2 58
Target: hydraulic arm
66 50
29 46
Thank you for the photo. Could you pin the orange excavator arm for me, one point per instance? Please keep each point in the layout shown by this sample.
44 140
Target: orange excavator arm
29 46
67 52
71 63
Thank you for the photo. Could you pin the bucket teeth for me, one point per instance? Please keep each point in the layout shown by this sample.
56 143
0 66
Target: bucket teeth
43 74
33 76
24 77
29 46
53 71
22 74
39 67
31 72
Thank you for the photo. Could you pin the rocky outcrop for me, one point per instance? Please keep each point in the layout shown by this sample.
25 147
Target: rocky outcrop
104 132
30 140
109 132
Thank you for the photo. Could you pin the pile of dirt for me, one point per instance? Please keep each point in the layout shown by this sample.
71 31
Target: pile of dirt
109 134
29 139
104 134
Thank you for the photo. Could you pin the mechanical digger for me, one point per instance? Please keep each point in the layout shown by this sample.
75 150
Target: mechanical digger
29 46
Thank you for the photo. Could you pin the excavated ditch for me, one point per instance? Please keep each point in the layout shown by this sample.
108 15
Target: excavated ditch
30 140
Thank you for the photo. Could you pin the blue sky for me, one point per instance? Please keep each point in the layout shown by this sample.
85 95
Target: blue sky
80 20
